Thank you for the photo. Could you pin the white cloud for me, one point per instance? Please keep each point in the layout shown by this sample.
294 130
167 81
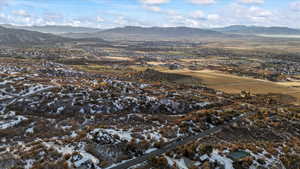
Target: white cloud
252 1
152 5
244 15
197 19
179 20
244 12
198 14
75 23
295 6
152 8
154 2
202 2
21 13
99 19
213 17
259 12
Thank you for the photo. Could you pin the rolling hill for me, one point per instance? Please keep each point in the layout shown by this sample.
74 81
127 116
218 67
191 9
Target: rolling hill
17 37
55 29
152 33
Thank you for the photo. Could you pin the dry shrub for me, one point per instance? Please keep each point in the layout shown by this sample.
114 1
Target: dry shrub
67 156
104 163
159 144
158 162
291 161
270 149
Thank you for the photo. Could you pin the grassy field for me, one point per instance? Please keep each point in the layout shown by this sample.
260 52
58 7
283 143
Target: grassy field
235 84
117 58
217 80
290 84
279 36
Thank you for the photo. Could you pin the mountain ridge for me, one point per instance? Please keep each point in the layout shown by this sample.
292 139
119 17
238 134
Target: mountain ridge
152 33
54 29
243 29
18 37
184 33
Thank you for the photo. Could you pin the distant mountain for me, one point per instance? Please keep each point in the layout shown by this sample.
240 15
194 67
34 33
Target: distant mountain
241 29
162 31
54 29
152 33
18 37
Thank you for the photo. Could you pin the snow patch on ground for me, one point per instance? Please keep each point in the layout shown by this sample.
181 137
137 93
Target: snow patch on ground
150 150
70 150
180 164
123 135
30 130
216 157
29 164
12 122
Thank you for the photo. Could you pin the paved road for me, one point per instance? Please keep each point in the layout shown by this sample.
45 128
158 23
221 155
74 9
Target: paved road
173 145
12 100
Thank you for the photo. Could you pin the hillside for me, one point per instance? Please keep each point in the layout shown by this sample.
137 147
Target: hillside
54 29
152 33
16 37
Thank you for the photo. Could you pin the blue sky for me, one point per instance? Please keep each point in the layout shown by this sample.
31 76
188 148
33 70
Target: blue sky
118 13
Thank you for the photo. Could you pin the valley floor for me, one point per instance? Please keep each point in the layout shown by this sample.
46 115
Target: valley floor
57 116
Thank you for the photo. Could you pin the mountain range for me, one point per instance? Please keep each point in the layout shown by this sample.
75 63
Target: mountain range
54 29
152 33
18 37
183 33
256 30
11 35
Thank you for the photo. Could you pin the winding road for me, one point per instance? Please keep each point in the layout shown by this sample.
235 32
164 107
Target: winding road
173 145
10 101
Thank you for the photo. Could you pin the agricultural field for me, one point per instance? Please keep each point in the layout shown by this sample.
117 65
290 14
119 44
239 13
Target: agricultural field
229 83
